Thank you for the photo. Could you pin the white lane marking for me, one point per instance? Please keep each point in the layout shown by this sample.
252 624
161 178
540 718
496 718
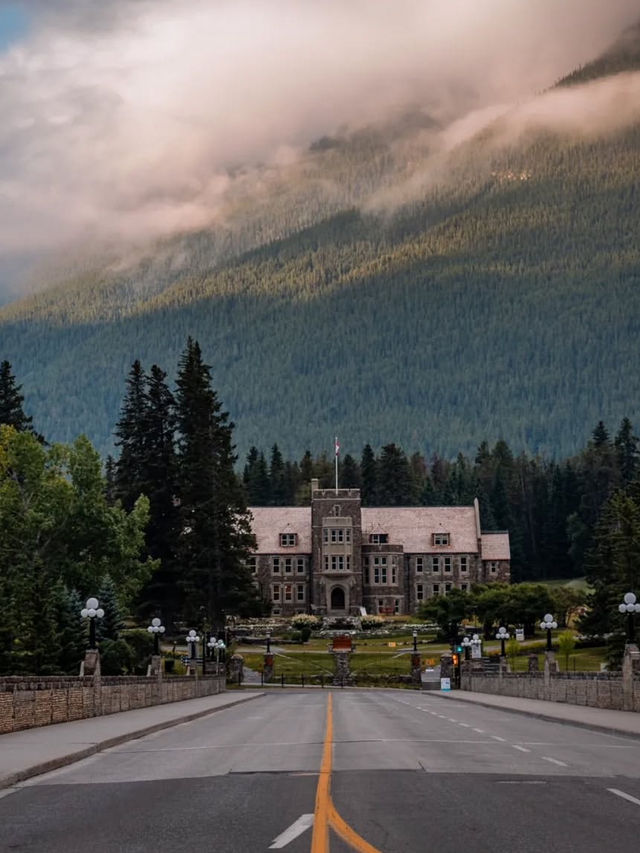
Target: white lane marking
624 796
301 825
495 737
521 748
451 720
554 761
464 725
480 731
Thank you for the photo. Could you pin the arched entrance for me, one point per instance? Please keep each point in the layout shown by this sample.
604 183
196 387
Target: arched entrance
338 599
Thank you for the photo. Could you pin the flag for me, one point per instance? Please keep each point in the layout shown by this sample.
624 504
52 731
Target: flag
337 447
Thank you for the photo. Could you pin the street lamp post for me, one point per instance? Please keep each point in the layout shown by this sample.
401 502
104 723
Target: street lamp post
92 611
548 624
268 642
502 635
192 640
466 645
629 606
476 643
156 628
415 641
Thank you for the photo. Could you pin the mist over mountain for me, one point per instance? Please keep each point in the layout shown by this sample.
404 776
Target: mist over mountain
443 268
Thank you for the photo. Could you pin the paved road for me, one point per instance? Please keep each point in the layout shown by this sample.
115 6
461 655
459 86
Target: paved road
388 771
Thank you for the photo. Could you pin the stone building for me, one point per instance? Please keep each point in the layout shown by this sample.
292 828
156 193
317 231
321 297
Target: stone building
336 557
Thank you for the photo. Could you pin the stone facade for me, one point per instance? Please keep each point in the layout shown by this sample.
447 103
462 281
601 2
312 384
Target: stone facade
337 558
29 702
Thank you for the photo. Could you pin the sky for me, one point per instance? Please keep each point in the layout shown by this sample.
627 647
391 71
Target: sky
128 117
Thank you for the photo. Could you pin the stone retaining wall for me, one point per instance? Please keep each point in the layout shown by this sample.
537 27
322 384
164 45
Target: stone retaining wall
31 701
600 690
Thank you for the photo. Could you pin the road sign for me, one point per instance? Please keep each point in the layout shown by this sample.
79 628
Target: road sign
520 634
445 684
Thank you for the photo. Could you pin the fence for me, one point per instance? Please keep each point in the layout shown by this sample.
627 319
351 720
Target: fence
27 702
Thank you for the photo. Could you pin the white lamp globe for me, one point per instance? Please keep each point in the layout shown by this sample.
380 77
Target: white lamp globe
92 604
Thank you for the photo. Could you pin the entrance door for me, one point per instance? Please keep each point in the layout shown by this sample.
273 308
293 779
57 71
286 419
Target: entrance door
337 598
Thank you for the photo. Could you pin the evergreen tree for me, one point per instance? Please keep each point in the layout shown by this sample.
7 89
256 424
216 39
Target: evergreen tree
11 400
369 475
216 534
111 625
70 630
277 482
350 473
130 432
394 477
627 454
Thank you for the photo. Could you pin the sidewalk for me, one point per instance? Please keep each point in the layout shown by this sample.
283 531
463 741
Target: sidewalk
38 750
598 719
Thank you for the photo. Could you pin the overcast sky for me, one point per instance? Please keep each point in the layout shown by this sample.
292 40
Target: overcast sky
123 116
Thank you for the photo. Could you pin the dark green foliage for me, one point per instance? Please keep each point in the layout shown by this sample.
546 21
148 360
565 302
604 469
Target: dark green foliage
111 625
11 400
216 536
116 657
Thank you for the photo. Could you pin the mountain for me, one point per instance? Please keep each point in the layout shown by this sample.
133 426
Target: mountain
386 286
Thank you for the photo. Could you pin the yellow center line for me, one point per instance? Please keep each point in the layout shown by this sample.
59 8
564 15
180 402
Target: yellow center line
326 814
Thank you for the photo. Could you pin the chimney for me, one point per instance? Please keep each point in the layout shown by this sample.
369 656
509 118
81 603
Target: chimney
314 486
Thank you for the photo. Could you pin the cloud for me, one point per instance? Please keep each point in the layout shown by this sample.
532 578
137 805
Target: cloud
129 117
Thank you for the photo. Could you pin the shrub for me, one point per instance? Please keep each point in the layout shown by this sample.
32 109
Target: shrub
304 620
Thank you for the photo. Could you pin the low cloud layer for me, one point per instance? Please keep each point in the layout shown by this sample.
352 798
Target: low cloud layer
128 117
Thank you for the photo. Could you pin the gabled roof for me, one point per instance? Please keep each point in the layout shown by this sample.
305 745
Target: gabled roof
413 527
269 522
495 546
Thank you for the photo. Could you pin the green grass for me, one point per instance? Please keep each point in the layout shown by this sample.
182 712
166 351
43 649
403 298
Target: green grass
580 660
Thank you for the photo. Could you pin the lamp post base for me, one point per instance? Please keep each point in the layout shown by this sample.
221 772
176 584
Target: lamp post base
91 663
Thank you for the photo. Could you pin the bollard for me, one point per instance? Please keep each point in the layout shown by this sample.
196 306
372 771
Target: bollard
322 679
261 678
302 679
282 679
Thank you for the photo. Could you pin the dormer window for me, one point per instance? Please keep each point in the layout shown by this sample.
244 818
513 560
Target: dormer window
441 539
288 540
378 538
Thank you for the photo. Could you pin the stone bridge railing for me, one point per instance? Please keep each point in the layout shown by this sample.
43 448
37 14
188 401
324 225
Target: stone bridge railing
26 702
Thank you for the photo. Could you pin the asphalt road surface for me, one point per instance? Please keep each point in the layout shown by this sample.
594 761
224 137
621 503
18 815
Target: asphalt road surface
332 771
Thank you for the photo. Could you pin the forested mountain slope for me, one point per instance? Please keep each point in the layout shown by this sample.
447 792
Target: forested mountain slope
354 293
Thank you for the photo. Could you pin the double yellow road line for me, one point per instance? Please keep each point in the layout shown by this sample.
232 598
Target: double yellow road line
326 815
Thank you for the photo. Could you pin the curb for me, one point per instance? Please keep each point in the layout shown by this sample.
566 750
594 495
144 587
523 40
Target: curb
64 760
549 718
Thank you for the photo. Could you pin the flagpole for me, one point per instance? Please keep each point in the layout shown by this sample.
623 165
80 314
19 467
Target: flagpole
337 451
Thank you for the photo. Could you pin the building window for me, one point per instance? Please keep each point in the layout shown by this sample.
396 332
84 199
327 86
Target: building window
275 611
380 570
464 587
447 587
288 592
419 564
288 565
337 509
300 566
419 592
441 539
337 562
300 596
287 540
275 593
435 564
464 564
447 564
380 605
275 565
378 538
336 534
396 606
493 567
436 589
252 564
394 574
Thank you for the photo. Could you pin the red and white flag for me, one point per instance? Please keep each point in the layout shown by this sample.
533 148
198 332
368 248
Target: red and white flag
337 447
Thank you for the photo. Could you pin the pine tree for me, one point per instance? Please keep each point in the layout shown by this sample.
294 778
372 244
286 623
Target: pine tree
350 473
369 474
130 432
11 400
394 477
216 534
111 625
627 454
277 483
71 631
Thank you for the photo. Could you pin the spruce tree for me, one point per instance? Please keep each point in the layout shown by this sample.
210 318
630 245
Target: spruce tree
277 480
369 474
394 477
216 534
110 626
11 400
627 454
130 435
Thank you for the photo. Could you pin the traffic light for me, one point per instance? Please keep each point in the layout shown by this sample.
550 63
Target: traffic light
456 659
459 648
